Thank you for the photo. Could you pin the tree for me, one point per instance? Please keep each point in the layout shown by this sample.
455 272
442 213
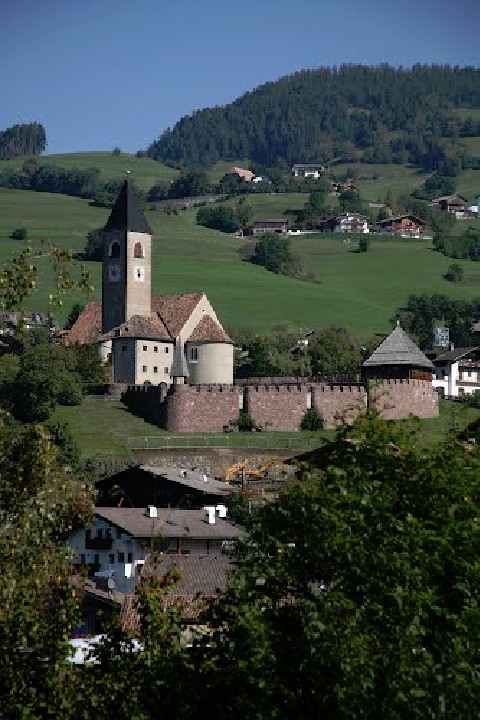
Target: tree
189 184
74 314
333 350
243 213
356 591
218 218
94 244
19 234
312 420
454 273
363 244
273 253
158 192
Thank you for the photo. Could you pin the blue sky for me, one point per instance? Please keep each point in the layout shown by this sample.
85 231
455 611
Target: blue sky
101 73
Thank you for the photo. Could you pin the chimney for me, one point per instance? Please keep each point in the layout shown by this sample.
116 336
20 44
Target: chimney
222 511
151 511
210 514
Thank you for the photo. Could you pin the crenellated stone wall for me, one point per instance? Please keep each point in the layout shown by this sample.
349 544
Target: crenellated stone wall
398 399
194 408
209 408
339 404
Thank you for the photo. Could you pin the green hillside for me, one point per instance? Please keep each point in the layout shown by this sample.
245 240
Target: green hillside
361 291
145 170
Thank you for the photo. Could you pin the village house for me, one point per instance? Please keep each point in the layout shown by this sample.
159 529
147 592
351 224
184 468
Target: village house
347 222
308 170
139 334
457 371
263 227
452 204
119 540
246 175
138 485
403 225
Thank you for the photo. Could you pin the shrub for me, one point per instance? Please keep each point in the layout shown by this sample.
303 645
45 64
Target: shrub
312 420
363 244
19 234
245 422
454 273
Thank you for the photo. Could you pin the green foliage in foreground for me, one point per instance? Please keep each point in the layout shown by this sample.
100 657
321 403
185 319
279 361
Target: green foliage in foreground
355 596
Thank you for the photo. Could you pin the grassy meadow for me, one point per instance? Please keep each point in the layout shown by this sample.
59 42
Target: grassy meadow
359 290
104 429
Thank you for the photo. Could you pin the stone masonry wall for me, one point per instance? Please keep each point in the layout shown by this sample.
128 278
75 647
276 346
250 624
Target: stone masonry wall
397 399
274 407
191 408
339 404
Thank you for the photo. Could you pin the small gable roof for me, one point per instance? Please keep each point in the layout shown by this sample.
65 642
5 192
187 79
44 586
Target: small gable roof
126 213
398 349
453 355
389 220
175 310
140 327
208 330
88 325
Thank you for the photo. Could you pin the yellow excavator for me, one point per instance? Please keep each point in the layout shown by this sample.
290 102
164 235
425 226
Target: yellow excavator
241 468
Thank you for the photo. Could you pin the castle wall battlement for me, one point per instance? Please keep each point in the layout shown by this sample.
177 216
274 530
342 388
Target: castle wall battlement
209 408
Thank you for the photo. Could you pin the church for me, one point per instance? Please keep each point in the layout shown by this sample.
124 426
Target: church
149 340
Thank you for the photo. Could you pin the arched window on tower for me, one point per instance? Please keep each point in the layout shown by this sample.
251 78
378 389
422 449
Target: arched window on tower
138 250
115 250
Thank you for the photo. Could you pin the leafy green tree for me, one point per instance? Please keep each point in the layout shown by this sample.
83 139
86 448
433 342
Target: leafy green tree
356 591
218 218
454 273
158 192
19 234
312 420
333 350
74 314
363 244
94 244
189 184
243 213
273 253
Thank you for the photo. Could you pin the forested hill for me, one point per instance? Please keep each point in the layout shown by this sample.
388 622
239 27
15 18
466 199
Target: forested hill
22 140
377 114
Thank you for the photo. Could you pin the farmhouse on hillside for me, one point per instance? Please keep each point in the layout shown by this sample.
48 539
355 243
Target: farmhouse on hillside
308 170
141 335
347 222
404 225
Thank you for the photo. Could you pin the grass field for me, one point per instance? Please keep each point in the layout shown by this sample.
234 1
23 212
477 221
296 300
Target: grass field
359 290
104 429
145 171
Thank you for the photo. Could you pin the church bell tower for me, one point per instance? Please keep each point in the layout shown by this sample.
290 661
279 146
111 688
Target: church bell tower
127 262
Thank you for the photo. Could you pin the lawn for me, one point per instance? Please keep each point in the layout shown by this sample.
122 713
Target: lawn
145 171
104 429
359 290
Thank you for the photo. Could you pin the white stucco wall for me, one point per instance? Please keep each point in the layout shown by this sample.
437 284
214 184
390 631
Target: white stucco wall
214 363
157 355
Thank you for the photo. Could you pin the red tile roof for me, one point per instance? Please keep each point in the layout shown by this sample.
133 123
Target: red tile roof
174 310
208 330
88 326
141 327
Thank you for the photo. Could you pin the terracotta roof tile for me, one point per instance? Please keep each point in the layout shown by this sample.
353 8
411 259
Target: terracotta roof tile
140 327
174 310
208 330
88 325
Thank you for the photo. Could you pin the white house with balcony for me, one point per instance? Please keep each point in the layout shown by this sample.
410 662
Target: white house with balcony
457 372
117 543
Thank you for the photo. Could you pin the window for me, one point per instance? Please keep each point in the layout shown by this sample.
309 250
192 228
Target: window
96 559
130 557
155 348
193 353
88 534
144 368
111 559
138 250
108 533
100 533
115 250
124 348
166 371
119 533
121 557
82 559
155 369
144 348
166 350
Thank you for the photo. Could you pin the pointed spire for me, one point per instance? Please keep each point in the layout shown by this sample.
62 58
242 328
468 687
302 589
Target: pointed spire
398 349
179 371
126 213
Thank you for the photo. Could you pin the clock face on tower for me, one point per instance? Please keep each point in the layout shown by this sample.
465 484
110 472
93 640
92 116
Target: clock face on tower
139 273
114 272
